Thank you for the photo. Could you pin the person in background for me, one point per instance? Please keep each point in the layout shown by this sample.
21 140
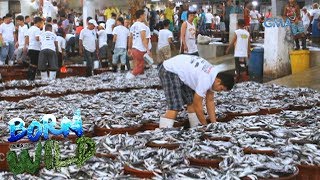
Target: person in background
1 21
7 39
165 40
153 15
107 13
138 44
61 49
188 80
237 9
71 44
20 57
209 19
27 21
120 40
111 22
102 39
33 46
202 28
22 32
55 10
158 17
254 23
101 17
216 21
314 23
48 60
188 36
168 13
55 26
184 14
88 45
228 8
268 14
292 12
65 23
246 15
241 41
127 24
305 16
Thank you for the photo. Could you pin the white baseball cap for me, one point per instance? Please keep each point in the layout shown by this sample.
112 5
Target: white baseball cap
94 22
102 25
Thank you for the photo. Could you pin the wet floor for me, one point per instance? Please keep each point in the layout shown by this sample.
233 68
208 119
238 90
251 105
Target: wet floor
309 78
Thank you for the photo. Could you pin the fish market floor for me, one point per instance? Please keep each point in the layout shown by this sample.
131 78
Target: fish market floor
309 79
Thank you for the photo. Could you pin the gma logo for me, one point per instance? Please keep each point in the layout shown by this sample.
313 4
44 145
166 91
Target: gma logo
276 22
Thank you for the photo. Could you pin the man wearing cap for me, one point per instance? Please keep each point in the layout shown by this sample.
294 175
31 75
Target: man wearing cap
188 35
88 45
187 80
102 37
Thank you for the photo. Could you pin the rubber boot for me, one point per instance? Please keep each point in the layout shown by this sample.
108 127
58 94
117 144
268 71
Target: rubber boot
52 75
297 44
114 68
166 123
32 73
123 68
193 120
44 76
304 43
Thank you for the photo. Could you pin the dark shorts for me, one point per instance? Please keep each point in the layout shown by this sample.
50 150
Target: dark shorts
241 65
177 93
48 60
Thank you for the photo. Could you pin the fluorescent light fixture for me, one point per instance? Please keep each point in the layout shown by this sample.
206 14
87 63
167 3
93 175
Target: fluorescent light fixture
254 3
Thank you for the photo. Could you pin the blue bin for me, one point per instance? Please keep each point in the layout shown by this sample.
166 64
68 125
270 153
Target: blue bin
256 63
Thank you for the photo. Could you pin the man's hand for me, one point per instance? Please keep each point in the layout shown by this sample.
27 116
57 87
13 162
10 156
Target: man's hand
185 48
130 52
25 50
198 107
227 50
16 45
80 51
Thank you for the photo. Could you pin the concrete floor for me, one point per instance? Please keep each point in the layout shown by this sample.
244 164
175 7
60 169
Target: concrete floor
309 79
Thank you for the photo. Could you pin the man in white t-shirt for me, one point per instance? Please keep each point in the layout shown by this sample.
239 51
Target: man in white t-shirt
187 80
47 9
7 40
22 32
32 44
165 39
111 22
139 44
120 38
241 40
61 48
48 59
88 45
254 23
103 38
209 19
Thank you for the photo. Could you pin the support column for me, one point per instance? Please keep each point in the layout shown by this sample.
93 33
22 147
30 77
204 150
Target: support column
26 7
4 8
233 24
88 10
278 43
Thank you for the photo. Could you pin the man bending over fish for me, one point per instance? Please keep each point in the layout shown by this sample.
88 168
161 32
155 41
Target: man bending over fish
187 79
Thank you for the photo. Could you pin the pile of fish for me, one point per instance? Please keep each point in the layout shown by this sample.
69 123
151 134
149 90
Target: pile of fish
292 135
106 81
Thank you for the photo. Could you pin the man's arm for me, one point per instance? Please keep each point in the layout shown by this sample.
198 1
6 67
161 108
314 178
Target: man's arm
198 107
234 40
211 107
26 44
114 38
145 40
80 47
249 47
183 34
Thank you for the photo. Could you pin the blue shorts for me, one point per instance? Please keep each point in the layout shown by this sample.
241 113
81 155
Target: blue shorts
297 28
119 53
